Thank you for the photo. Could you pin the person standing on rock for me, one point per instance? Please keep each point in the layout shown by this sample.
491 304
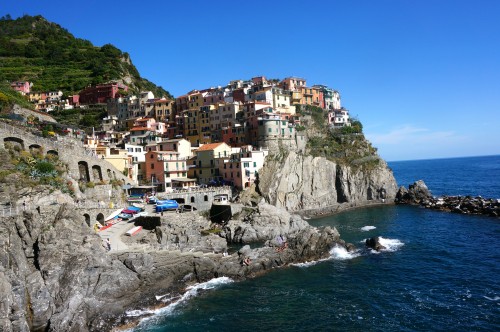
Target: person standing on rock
108 244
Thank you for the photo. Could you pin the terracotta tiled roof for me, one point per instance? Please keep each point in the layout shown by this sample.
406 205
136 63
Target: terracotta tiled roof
139 128
211 146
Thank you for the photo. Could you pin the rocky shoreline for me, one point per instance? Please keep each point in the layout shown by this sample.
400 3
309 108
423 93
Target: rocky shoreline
419 194
55 275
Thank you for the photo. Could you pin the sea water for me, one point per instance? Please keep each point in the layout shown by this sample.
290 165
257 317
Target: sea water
440 271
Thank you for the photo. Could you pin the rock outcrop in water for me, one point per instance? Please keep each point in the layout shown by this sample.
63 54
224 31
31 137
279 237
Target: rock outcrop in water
419 194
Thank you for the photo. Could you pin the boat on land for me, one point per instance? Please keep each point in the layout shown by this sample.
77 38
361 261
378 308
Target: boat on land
220 211
113 215
166 205
139 205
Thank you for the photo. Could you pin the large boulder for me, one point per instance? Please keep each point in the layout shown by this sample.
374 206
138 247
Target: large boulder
264 223
374 243
417 193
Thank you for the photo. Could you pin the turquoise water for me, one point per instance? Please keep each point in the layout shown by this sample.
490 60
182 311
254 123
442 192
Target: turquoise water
441 273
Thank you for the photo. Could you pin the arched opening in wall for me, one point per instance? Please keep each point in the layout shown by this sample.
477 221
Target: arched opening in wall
35 148
96 173
87 219
12 142
247 184
83 168
192 199
100 218
179 200
53 153
109 174
205 198
369 194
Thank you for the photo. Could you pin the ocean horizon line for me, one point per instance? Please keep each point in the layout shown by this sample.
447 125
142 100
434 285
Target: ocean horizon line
444 158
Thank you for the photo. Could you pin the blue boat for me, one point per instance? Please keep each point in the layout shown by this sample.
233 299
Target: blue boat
166 205
133 208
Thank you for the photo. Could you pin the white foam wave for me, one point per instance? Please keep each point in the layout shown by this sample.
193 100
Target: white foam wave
137 313
191 291
390 244
309 264
496 298
337 253
341 253
367 228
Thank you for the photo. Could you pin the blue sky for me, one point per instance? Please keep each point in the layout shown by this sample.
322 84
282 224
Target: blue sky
422 76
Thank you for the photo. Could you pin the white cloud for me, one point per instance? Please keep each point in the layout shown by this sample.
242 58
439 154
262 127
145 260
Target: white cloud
409 142
409 134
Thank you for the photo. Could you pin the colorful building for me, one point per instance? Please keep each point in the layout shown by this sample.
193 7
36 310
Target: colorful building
101 93
241 167
22 87
206 169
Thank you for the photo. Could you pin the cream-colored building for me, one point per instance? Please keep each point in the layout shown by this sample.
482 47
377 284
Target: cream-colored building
206 169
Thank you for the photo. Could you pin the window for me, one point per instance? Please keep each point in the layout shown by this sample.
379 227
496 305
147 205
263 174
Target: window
151 156
246 164
254 164
270 130
152 166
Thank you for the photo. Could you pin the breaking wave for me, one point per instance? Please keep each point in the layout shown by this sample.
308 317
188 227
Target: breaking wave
341 253
337 253
367 228
191 291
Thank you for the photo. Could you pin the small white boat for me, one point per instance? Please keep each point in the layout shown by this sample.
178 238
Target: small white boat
139 205
113 215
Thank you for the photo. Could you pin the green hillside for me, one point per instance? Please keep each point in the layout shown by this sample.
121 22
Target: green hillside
34 49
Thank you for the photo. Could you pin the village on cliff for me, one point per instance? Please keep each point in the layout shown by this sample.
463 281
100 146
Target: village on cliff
210 137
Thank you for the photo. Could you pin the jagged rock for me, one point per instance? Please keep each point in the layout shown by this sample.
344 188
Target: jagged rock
374 243
417 193
265 223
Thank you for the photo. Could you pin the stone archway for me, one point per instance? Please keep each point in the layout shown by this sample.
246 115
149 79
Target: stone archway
96 173
53 152
369 194
87 219
14 141
83 167
100 218
192 199
35 148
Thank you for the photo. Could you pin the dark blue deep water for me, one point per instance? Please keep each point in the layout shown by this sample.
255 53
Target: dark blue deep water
441 272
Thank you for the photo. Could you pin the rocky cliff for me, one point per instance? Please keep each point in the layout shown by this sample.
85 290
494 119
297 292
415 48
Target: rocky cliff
316 185
56 276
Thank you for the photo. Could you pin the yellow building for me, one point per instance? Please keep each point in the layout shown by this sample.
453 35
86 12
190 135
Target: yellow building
164 110
197 125
206 169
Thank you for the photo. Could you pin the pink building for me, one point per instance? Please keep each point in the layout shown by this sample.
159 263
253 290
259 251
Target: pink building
22 87
101 93
241 167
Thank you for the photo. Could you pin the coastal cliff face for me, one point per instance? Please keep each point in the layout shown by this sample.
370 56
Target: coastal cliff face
316 185
54 273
